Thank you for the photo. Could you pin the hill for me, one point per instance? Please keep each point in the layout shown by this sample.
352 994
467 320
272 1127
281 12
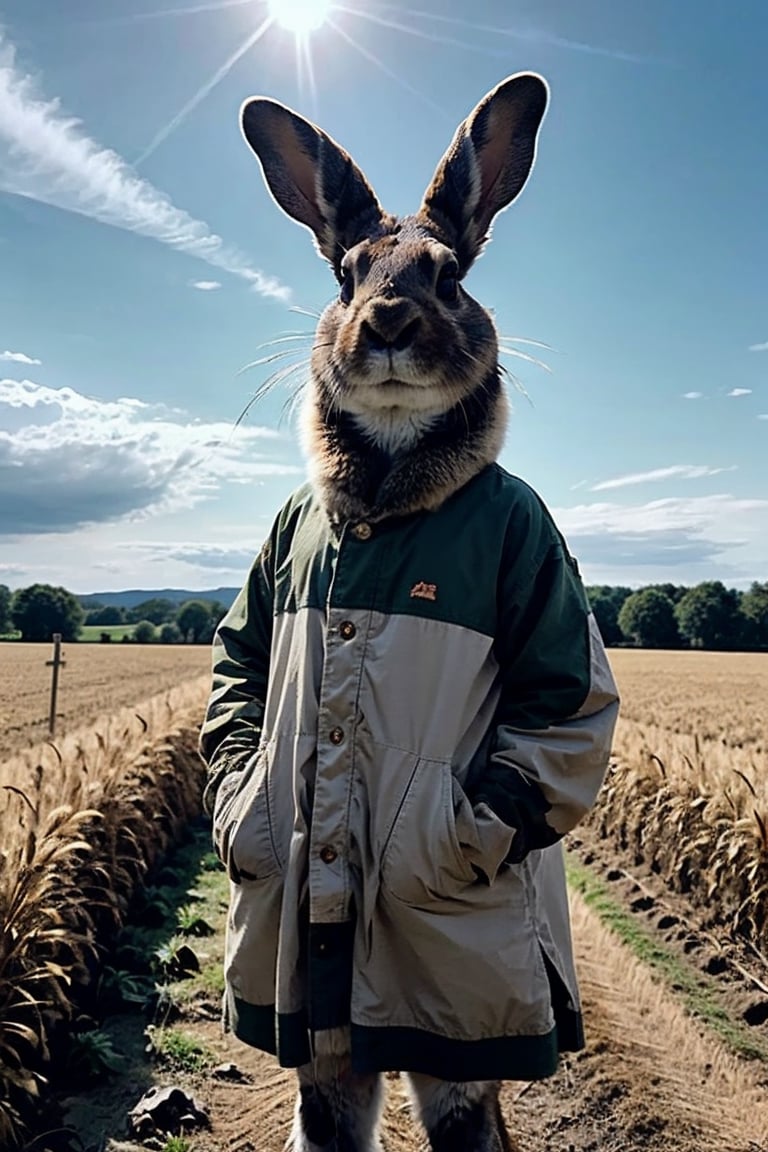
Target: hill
133 596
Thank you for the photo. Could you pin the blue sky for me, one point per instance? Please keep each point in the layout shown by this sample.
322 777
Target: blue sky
143 265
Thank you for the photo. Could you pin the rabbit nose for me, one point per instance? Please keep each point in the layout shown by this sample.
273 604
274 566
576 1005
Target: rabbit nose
391 326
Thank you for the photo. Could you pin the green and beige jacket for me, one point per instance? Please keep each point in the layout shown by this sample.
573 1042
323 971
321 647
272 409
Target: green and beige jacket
406 717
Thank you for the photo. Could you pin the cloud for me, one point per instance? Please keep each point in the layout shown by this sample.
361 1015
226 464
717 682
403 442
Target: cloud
48 157
668 535
205 285
762 416
212 557
673 472
692 395
759 347
18 358
740 392
77 460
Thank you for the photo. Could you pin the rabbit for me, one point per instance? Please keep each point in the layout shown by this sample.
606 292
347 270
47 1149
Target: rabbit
411 703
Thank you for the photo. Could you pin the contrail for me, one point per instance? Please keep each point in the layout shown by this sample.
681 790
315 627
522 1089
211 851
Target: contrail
49 157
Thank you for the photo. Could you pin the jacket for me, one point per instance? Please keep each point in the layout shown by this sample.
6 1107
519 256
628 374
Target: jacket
406 718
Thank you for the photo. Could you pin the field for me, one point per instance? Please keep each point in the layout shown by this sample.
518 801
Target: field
97 678
718 697
669 879
92 633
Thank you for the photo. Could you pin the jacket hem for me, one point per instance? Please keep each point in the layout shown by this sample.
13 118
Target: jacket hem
415 1050
398 1049
282 1034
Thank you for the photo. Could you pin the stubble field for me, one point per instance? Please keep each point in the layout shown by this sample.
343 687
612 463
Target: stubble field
98 678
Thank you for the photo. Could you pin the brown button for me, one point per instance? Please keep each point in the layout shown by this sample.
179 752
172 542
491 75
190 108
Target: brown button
328 854
347 630
336 735
363 531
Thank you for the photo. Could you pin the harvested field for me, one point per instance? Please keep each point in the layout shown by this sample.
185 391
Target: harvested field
715 696
98 678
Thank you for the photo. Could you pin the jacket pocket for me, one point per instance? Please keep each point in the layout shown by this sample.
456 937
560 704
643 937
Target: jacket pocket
243 831
423 859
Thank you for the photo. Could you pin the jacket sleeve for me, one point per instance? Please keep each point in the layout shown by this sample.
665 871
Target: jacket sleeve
231 729
559 703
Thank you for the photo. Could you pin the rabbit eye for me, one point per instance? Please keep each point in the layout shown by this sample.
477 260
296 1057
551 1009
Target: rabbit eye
347 289
448 284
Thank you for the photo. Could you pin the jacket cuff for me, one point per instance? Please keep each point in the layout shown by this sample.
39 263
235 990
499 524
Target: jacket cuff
521 805
224 763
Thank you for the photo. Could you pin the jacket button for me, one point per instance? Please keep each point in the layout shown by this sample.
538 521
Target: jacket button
336 735
347 630
328 854
363 531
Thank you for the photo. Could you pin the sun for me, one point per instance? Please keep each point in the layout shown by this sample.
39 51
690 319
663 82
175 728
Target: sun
300 16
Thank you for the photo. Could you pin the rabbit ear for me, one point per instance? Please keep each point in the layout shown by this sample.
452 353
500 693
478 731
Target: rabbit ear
311 177
487 164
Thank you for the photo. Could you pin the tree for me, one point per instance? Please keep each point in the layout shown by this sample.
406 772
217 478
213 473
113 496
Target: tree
754 609
157 610
145 632
5 608
42 609
171 634
708 617
606 603
105 615
194 621
647 618
674 591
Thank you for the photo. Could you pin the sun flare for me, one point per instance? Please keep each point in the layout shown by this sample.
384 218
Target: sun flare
300 16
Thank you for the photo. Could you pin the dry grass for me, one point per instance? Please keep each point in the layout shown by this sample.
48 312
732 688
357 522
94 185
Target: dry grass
688 790
82 823
98 678
671 1067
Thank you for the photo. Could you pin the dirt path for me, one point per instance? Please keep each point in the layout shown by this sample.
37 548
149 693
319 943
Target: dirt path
649 1081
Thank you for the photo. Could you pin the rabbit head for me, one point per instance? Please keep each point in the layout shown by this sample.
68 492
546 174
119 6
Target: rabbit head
405 400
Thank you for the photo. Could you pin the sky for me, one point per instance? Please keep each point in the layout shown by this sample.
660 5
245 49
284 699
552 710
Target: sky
144 267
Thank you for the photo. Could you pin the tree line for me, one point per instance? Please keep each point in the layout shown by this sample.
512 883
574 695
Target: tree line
40 610
707 615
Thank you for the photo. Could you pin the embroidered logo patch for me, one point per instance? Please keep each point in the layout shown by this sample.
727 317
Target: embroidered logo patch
422 591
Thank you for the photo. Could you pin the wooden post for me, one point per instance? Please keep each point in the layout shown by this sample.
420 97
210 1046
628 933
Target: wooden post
55 664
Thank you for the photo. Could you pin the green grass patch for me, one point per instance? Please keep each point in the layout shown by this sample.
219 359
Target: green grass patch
699 993
91 633
179 1050
176 1144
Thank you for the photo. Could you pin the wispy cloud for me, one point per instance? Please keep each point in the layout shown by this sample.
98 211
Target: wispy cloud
673 472
759 347
18 358
762 416
740 392
692 395
222 557
48 157
205 285
705 537
73 459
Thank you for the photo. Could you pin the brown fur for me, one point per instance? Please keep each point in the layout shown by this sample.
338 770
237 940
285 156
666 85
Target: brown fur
405 402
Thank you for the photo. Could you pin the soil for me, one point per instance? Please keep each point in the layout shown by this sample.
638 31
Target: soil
651 1079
